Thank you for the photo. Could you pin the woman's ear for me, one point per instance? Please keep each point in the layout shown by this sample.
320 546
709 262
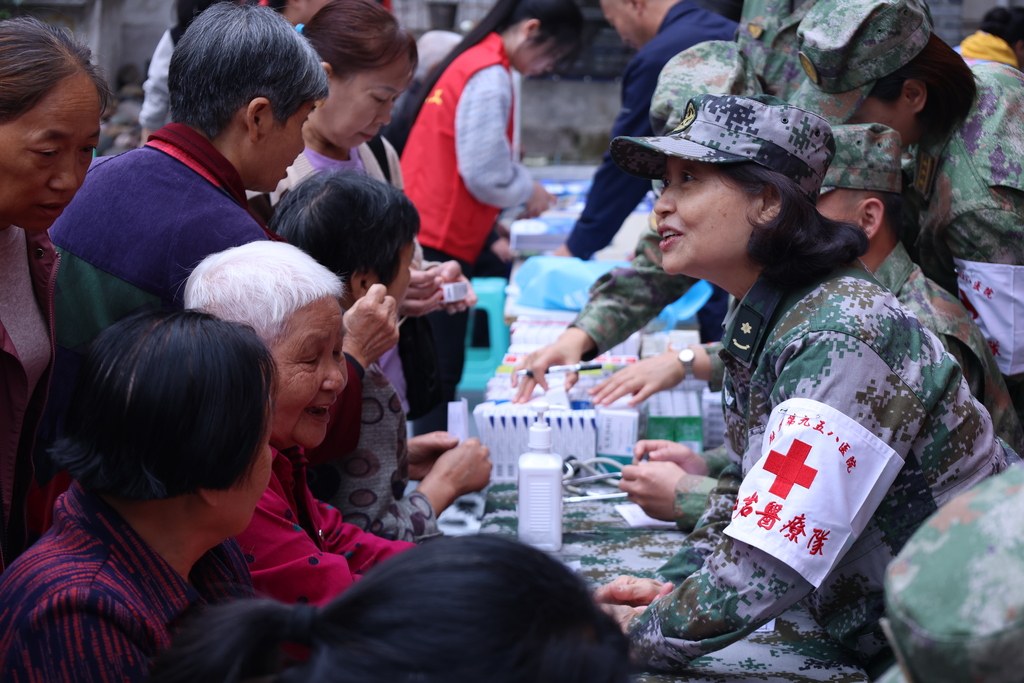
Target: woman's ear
915 95
360 282
767 206
258 119
871 212
530 28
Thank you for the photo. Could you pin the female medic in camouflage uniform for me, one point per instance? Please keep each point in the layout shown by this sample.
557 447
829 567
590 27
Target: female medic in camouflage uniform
877 61
847 424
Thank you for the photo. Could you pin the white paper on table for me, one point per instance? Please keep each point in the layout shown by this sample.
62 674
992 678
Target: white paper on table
636 517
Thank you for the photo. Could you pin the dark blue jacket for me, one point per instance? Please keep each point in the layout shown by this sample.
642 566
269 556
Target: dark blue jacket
614 194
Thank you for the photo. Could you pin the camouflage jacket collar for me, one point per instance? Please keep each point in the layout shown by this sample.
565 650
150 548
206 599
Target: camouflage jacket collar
750 324
895 269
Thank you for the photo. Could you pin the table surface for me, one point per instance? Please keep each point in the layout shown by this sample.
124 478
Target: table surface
599 544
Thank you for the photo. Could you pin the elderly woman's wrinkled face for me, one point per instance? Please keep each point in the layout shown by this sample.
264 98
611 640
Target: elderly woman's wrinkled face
704 222
310 374
45 152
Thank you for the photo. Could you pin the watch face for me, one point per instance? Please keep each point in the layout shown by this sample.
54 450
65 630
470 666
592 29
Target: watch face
687 355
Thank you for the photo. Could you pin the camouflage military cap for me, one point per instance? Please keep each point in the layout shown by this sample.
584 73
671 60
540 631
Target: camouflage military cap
715 67
725 129
846 45
953 595
867 158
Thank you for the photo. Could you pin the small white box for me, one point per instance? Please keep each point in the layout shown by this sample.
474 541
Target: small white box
617 433
454 291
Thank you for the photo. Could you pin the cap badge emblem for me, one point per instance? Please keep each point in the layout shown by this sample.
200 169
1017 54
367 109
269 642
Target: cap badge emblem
689 116
812 73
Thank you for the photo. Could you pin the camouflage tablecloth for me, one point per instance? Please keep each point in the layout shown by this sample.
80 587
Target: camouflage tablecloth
599 544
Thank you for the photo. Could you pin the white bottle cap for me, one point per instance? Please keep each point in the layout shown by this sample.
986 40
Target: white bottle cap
540 432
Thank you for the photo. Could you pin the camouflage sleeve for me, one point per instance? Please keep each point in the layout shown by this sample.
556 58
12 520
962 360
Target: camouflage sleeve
739 587
717 366
692 490
717 459
987 234
710 522
991 235
988 388
625 299
691 499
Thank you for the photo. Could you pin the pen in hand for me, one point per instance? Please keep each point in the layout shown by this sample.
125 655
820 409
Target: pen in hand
577 367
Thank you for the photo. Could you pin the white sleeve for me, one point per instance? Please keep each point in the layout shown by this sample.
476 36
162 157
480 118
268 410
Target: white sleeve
156 105
481 141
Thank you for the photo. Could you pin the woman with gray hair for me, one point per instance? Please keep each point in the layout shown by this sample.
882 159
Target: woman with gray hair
299 550
242 83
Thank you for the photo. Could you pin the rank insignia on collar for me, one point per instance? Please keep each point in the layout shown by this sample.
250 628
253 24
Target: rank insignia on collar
755 30
926 165
744 334
435 98
689 116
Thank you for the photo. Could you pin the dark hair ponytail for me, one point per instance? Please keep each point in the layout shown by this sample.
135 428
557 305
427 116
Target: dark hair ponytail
528 620
798 245
561 24
248 640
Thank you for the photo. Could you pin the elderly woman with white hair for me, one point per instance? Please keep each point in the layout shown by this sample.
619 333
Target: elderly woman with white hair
298 549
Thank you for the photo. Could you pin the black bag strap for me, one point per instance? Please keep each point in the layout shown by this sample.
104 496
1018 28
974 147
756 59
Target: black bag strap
380 153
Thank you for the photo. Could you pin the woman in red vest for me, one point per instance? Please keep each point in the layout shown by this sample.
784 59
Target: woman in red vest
458 162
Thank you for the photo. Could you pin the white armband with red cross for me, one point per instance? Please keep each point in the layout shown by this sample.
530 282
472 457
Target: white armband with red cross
993 293
820 478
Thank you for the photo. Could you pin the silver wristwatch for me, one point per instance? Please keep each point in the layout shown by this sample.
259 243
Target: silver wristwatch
686 357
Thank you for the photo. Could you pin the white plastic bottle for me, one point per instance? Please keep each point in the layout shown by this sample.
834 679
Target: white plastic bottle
540 488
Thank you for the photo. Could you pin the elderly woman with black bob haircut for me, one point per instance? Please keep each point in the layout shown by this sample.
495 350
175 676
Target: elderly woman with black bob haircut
145 218
167 441
364 230
476 608
298 548
846 423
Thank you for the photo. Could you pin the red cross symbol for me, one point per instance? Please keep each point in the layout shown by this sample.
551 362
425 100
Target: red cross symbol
790 469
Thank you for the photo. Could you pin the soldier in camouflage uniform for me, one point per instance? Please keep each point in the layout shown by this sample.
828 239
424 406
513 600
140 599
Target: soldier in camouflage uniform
868 160
846 422
953 597
963 186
